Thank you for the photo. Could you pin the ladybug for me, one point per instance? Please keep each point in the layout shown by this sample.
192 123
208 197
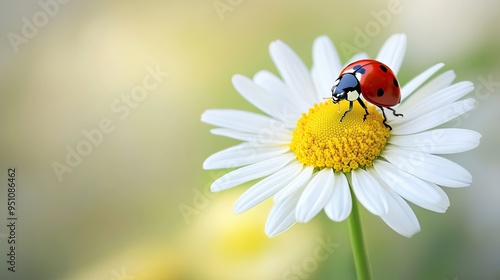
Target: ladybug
374 80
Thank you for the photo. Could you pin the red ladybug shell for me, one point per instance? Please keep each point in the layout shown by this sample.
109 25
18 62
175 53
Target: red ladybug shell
378 83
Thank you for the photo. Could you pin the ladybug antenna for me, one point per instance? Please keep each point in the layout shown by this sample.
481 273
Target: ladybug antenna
324 98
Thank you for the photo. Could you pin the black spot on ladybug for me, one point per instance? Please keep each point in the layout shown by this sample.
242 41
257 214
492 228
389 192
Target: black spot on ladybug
359 69
396 84
383 68
380 92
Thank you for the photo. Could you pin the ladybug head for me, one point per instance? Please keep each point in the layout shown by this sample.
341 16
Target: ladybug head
343 85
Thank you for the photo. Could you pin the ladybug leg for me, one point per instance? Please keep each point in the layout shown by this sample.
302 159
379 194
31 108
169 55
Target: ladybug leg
364 107
394 112
385 118
348 110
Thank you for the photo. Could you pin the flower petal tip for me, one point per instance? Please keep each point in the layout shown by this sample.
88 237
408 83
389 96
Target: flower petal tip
216 187
272 230
237 78
302 217
238 209
271 233
411 233
339 218
275 44
322 39
208 163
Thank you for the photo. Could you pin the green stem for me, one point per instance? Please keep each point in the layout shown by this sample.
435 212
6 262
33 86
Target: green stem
363 270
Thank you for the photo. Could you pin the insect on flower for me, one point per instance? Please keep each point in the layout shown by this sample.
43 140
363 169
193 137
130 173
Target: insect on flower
372 79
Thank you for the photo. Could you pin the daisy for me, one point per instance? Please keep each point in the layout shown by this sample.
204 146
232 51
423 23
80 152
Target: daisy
309 161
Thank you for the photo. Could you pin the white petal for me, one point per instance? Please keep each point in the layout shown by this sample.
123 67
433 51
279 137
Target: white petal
242 154
431 168
400 216
270 82
369 192
434 118
281 136
393 51
282 216
251 172
358 56
439 141
268 103
435 85
423 194
436 101
275 86
293 187
416 82
326 66
267 187
315 195
294 73
238 120
339 205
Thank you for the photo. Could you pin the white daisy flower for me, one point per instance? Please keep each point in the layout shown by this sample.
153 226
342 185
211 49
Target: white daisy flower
310 161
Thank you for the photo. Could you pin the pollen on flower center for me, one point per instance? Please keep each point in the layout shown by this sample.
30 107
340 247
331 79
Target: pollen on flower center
321 140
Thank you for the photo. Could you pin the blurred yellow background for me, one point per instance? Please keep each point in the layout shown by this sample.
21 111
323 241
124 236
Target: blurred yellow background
100 115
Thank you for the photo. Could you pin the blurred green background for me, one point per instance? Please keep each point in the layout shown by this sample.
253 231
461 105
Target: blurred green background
136 204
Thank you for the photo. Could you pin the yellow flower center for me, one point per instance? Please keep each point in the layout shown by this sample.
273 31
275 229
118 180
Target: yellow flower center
321 140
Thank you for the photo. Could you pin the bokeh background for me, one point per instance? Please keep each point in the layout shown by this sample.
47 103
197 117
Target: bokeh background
137 206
